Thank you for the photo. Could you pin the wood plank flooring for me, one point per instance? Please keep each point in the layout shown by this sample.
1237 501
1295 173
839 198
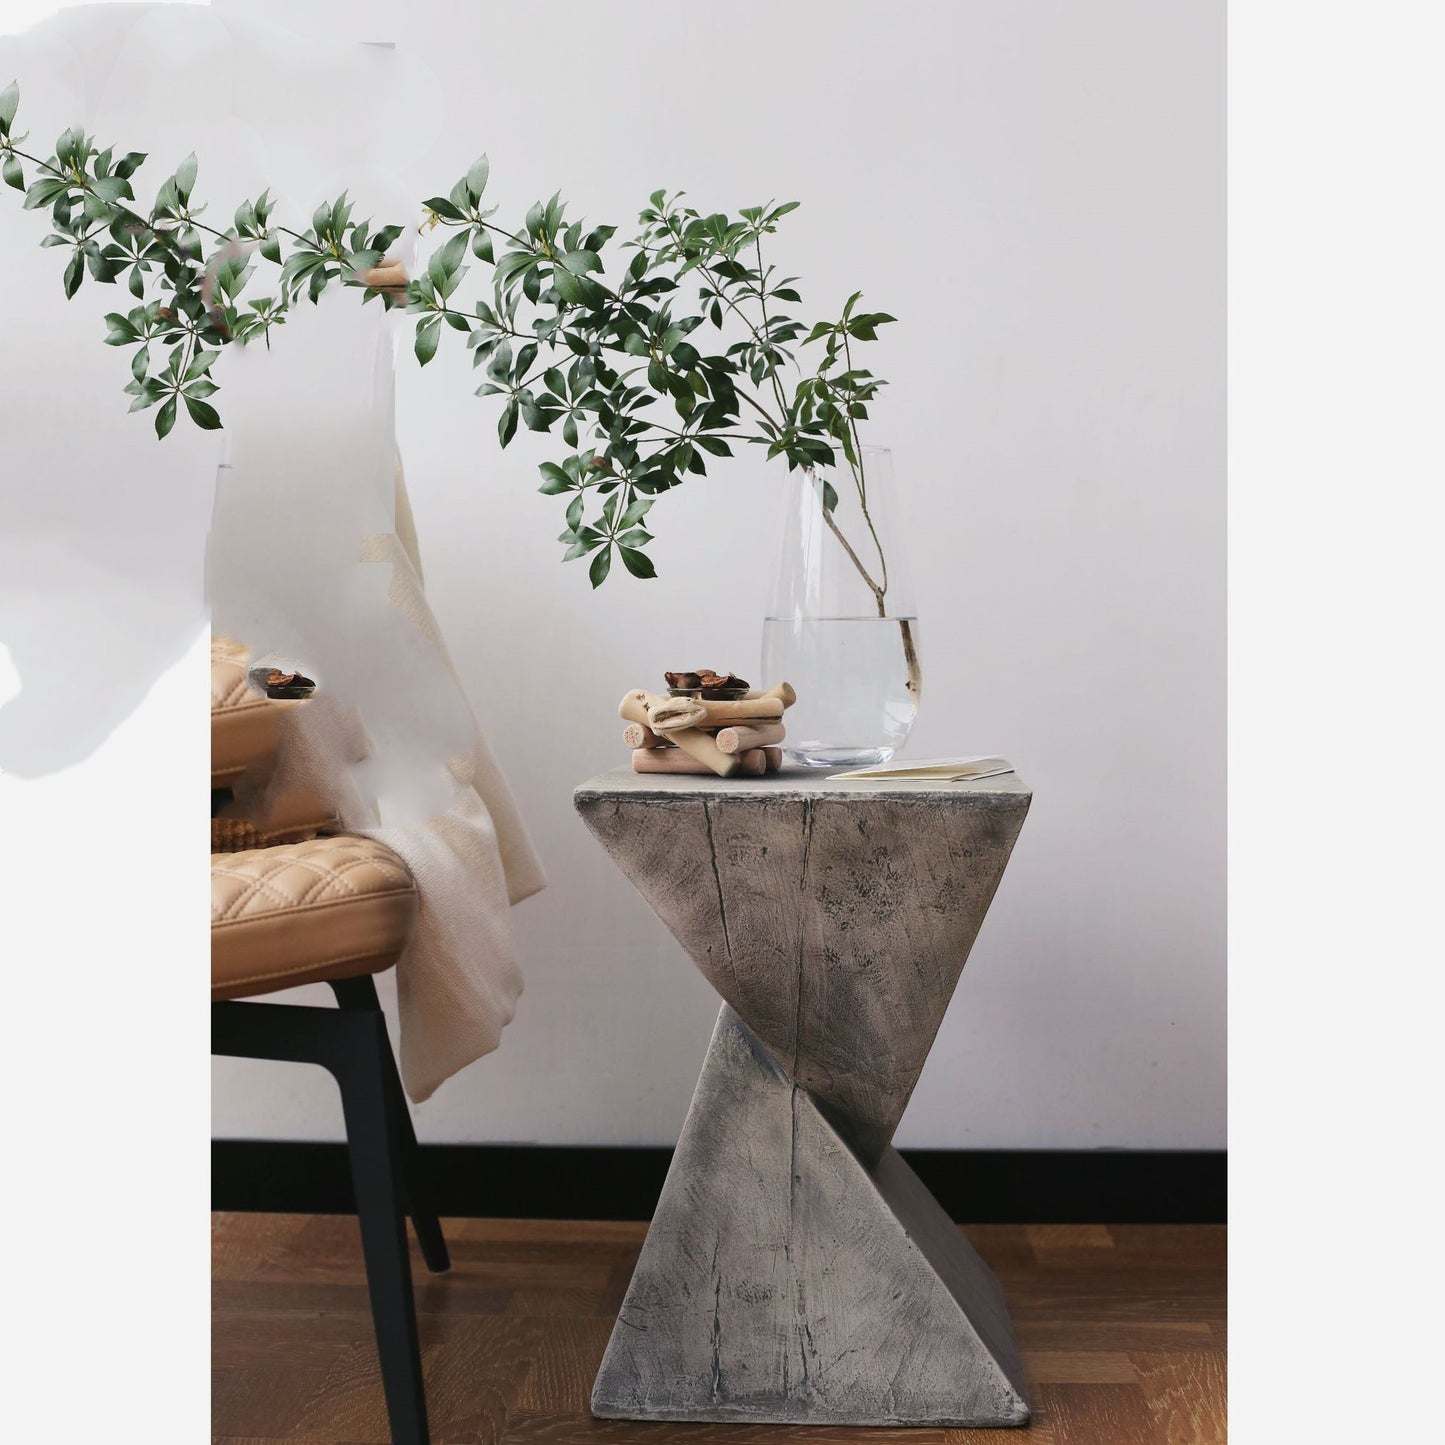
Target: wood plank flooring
1122 1332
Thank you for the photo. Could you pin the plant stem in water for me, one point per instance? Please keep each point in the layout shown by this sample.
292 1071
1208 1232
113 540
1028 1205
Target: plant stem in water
879 591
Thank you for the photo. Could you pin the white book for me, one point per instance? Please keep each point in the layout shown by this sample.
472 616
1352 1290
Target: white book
948 770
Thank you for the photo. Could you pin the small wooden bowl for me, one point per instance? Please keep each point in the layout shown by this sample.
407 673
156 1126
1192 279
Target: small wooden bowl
302 688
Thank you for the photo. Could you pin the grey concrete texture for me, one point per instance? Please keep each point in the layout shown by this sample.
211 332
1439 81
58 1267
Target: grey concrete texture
796 1270
835 920
781 1281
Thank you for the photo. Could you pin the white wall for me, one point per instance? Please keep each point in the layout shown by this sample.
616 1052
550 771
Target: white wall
1036 191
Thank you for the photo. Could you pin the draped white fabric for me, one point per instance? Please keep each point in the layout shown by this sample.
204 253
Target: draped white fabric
306 565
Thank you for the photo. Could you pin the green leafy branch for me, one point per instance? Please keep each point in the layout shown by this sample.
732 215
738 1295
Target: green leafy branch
187 276
615 363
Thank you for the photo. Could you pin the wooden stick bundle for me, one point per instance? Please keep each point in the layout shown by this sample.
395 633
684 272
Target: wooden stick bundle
670 734
638 707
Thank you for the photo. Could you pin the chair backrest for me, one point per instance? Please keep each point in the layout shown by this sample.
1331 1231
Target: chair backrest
245 734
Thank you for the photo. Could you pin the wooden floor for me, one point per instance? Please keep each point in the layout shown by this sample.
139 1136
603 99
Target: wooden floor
1122 1331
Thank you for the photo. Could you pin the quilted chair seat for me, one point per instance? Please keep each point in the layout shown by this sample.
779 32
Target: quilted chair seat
307 912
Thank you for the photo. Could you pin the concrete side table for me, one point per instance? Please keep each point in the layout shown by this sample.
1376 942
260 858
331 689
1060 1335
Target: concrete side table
796 1269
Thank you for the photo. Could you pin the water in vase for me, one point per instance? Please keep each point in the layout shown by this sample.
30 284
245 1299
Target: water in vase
854 704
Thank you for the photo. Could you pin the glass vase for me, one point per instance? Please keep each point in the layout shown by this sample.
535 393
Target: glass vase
841 626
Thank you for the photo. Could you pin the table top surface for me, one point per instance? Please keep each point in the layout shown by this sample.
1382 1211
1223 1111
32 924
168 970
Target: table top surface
793 782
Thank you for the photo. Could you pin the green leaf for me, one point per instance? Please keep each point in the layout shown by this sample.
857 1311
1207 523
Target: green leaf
69 147
201 363
477 177
443 207
9 104
203 414
166 198
112 188
74 275
554 480
43 192
147 393
861 328
12 173
638 563
579 263
500 366
601 566
830 497
186 176
166 418
427 334
446 259
122 331
569 287
482 245
507 422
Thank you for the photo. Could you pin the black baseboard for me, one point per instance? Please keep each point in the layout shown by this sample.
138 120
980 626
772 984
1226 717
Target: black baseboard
511 1181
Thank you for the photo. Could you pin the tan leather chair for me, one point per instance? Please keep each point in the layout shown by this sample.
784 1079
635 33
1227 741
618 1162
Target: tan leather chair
310 912
333 909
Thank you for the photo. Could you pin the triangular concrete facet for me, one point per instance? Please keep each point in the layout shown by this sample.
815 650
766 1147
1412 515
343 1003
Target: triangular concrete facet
836 926
782 1281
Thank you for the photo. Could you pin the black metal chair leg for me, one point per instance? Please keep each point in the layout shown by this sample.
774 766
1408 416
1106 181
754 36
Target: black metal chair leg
423 1218
360 994
371 1132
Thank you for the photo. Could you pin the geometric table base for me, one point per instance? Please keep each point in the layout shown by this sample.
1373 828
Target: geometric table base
782 1281
796 1270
